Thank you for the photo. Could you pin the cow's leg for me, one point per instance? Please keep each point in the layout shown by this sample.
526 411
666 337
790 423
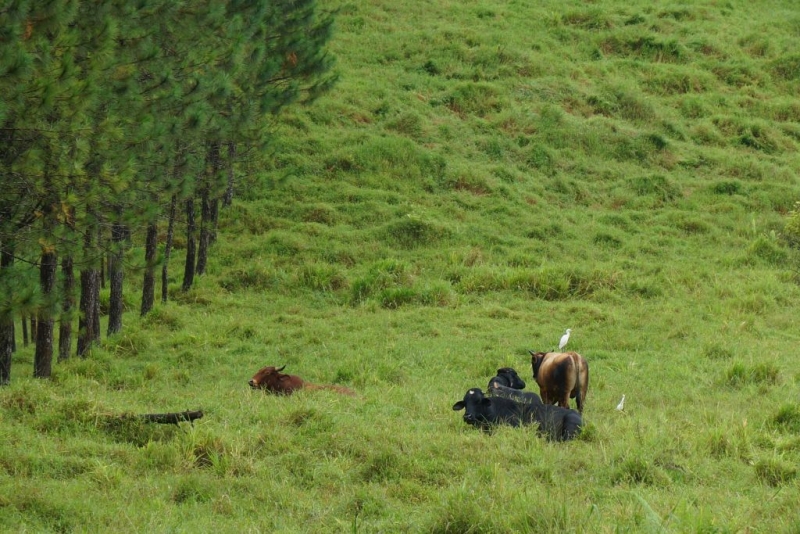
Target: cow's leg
564 400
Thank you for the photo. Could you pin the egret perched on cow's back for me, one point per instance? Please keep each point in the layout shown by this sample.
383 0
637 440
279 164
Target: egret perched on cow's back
564 339
621 405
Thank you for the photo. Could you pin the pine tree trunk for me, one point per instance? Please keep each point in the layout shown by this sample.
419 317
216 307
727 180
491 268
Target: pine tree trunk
116 275
173 205
188 272
101 273
149 282
214 220
65 325
205 230
6 347
227 199
24 331
96 312
6 324
209 207
88 308
33 329
88 331
43 357
213 207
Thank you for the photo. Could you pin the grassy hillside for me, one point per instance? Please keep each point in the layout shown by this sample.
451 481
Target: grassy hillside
484 176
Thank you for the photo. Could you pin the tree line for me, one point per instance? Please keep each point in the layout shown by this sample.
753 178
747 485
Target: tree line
123 118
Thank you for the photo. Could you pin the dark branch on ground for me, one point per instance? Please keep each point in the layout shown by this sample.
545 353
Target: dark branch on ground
172 418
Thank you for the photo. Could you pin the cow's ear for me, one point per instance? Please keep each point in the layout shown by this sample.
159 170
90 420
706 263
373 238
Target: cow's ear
459 406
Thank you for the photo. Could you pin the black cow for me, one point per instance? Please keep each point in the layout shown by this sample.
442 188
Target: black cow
556 423
484 412
508 377
554 420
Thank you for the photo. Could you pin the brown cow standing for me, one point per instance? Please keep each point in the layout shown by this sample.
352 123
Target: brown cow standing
271 379
561 376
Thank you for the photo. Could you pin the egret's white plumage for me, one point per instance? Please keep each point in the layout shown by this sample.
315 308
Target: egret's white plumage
564 339
621 405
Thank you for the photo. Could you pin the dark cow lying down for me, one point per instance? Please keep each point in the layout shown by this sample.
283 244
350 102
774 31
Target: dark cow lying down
272 380
508 377
558 424
554 422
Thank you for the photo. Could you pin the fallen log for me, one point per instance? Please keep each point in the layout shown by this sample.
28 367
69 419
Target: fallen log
172 418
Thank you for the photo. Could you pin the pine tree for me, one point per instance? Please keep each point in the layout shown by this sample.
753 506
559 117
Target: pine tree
60 50
111 111
275 55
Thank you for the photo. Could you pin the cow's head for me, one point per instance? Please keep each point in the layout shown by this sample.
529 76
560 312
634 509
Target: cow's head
510 378
267 378
536 361
474 405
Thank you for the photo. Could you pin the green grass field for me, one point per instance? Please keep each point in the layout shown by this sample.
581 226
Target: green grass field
484 176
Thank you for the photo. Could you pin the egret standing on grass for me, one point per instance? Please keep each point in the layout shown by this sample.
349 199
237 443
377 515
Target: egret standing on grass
621 405
564 339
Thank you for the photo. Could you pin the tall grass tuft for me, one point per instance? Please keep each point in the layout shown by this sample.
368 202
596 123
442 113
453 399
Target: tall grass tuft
740 374
787 418
775 471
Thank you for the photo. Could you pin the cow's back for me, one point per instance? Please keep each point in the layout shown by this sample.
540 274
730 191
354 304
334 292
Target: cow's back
527 397
556 376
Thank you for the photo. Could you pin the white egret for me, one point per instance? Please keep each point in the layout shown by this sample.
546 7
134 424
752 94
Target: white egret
564 339
621 405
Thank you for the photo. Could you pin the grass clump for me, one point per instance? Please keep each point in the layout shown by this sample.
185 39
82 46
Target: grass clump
545 283
411 232
636 471
725 187
767 249
717 352
480 99
251 277
741 374
163 317
322 277
787 418
382 275
657 186
133 430
775 471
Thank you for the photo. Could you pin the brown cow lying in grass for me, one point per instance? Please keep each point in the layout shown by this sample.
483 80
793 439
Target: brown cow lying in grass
271 379
561 376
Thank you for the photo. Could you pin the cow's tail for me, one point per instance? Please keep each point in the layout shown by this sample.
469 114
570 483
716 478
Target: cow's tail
586 385
578 385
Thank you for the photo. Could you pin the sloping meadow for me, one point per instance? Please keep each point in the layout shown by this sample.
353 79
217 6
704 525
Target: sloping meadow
483 176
